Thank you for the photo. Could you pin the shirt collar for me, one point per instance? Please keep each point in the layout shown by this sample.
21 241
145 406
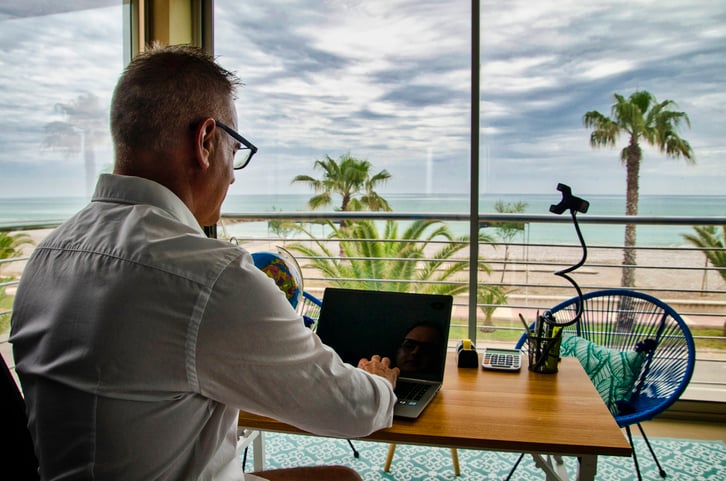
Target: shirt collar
126 189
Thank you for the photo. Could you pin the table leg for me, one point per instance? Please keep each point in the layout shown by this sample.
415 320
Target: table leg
587 468
389 457
258 445
455 460
559 466
553 467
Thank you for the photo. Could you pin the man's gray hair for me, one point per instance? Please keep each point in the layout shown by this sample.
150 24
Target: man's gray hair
164 92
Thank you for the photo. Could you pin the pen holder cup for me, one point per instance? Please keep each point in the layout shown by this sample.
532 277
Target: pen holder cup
544 353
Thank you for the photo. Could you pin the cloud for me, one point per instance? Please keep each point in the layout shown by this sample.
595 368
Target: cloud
45 61
544 64
389 81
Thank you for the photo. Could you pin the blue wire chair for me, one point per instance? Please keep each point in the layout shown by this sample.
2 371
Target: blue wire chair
310 310
619 319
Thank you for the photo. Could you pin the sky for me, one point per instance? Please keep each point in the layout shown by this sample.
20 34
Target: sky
389 81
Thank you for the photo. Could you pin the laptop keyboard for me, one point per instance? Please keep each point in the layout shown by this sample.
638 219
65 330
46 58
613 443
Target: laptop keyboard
410 392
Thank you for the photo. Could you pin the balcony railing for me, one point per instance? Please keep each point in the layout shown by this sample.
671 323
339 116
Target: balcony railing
523 269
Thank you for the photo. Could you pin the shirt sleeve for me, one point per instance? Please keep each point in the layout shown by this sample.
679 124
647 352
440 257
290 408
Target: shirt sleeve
254 352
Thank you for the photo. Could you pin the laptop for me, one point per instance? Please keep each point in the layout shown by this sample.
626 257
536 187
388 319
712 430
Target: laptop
410 329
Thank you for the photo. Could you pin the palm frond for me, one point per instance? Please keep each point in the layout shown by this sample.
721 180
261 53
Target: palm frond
713 248
395 263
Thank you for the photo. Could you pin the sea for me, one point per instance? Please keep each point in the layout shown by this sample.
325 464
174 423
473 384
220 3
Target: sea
19 211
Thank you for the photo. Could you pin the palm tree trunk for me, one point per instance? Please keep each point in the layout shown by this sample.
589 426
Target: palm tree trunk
342 222
89 161
631 208
504 264
628 277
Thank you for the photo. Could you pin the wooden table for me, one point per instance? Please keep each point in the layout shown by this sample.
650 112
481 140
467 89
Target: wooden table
557 414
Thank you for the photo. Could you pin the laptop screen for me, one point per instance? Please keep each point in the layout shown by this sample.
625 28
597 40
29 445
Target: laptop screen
411 329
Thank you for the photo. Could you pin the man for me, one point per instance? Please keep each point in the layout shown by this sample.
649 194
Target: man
420 349
137 339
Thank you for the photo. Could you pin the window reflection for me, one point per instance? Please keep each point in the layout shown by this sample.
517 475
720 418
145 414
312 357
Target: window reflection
59 65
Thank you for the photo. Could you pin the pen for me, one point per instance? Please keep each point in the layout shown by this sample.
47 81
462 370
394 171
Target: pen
526 326
537 336
538 326
551 356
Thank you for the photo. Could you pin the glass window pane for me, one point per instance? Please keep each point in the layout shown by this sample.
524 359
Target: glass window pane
59 64
546 63
383 81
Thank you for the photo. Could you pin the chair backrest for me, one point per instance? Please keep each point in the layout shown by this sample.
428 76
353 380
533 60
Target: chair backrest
619 319
16 450
310 310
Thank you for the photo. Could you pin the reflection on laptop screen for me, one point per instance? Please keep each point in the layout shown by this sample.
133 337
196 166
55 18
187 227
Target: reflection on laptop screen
411 329
420 351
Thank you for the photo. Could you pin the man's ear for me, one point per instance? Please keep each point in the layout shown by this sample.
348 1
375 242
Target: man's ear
204 142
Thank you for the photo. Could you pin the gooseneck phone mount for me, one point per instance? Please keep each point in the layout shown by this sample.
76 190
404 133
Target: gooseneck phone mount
574 205
544 341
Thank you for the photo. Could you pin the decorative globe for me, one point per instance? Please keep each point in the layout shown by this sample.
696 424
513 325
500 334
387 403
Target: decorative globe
282 268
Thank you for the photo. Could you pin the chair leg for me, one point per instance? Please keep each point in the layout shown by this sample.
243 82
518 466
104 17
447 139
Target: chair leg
389 457
635 456
514 468
661 471
356 454
455 460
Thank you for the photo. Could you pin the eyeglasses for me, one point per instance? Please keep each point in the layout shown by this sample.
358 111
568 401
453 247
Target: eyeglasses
247 150
411 344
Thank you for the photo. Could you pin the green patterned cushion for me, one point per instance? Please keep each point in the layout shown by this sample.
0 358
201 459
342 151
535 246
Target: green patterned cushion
612 372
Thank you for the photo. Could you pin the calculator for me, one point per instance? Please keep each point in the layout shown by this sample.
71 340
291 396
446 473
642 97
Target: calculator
502 359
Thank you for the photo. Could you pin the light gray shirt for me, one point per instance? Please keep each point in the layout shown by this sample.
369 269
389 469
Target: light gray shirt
137 340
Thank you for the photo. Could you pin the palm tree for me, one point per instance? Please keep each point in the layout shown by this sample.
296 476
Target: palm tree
351 179
85 127
643 119
391 261
10 244
491 297
707 239
280 227
507 230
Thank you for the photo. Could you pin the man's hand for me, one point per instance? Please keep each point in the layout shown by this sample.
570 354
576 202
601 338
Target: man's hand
380 367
